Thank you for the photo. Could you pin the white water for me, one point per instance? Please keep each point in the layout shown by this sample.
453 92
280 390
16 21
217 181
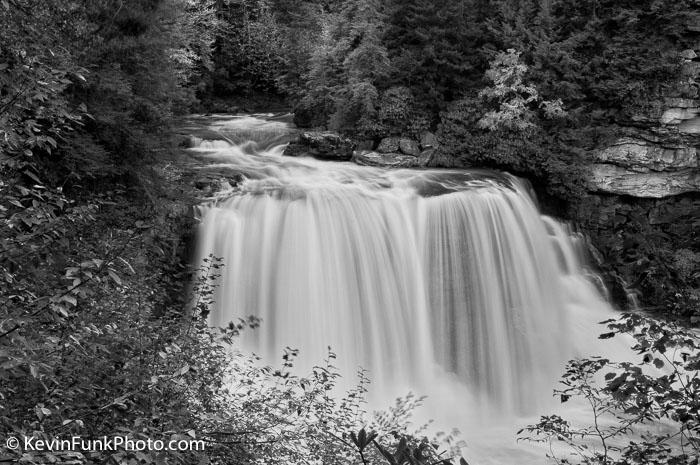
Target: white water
447 283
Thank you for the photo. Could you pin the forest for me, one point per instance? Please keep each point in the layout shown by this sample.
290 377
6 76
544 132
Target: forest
103 319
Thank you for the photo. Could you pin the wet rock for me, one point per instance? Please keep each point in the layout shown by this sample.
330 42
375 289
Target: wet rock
393 160
388 160
389 145
188 142
212 183
325 145
688 54
428 140
409 146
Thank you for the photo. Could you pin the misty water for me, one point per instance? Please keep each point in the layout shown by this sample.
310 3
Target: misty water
446 283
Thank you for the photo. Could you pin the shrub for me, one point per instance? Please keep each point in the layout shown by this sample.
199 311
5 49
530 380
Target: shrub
663 389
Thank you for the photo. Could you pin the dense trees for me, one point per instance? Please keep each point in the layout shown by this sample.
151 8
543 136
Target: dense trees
602 59
432 49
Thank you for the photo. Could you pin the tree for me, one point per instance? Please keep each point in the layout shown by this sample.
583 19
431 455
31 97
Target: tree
365 63
249 49
431 47
517 103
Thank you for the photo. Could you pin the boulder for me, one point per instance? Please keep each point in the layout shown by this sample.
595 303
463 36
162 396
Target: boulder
428 140
388 160
688 54
388 145
409 147
393 160
188 142
324 145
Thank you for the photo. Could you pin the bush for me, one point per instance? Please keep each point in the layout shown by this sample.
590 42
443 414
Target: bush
657 398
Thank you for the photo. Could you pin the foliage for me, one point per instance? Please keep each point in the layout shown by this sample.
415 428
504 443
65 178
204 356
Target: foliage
656 399
514 99
432 49
34 75
249 49
540 155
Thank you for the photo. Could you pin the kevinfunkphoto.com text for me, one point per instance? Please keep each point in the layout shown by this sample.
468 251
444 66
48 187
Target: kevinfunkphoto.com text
104 443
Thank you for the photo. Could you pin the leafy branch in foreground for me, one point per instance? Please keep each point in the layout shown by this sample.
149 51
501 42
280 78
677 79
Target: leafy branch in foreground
646 412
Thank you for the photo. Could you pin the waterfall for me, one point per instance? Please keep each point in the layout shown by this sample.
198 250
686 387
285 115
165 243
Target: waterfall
415 275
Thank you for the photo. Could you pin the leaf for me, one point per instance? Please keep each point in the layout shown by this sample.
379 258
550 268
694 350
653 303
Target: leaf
390 458
658 363
606 336
115 277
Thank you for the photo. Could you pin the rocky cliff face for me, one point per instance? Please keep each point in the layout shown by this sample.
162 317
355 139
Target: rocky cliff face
643 214
657 154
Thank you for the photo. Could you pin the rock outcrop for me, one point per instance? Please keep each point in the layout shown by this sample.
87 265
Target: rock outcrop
388 145
409 146
658 156
404 145
428 141
393 160
324 145
645 169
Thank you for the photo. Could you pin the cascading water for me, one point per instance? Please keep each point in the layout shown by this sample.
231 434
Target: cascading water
448 283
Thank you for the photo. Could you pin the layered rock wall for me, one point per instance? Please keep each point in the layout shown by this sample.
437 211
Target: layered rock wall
643 214
657 154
